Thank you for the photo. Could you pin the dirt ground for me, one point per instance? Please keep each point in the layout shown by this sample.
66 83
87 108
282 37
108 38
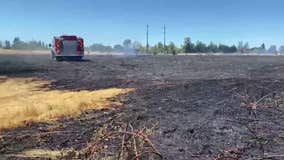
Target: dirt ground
201 107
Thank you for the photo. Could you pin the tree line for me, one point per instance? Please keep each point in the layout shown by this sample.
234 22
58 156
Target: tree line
129 46
18 44
199 47
187 47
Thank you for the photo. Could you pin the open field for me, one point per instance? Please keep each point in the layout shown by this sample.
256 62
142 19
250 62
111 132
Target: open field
190 107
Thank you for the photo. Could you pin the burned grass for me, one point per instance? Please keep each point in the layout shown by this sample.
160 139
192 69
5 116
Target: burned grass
215 107
215 119
12 68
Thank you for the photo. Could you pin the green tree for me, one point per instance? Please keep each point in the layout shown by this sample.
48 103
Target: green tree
143 49
261 49
281 49
160 47
154 50
224 48
17 43
233 49
213 48
118 48
157 49
136 45
7 44
188 46
263 46
172 49
272 49
100 48
227 49
127 43
1 45
200 47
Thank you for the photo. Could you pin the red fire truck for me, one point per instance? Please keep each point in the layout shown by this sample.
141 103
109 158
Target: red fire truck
67 48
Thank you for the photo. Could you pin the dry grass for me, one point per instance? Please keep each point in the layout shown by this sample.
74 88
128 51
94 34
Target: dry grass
11 51
48 154
36 154
24 100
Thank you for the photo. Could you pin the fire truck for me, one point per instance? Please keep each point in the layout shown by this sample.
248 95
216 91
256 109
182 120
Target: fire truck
67 48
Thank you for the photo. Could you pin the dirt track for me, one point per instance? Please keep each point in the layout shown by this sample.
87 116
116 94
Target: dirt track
199 103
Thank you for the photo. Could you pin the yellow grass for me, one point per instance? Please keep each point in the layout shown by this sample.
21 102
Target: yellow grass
24 100
36 154
11 51
42 153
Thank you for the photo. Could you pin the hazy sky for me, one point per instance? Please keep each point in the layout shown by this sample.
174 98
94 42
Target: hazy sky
111 21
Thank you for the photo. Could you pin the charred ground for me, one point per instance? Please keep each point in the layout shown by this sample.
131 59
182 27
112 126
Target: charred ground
201 107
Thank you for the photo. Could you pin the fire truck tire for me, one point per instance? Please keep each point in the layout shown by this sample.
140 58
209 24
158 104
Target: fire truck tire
59 59
52 55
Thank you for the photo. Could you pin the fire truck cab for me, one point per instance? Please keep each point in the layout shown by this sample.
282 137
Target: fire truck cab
67 48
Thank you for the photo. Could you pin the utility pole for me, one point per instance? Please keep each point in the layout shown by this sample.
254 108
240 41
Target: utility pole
147 39
164 36
165 49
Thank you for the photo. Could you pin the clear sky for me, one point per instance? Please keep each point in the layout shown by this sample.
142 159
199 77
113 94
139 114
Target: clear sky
112 21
